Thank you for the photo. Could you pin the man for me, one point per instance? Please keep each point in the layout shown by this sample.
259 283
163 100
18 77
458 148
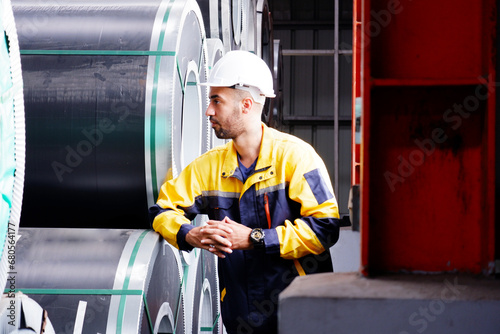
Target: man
273 215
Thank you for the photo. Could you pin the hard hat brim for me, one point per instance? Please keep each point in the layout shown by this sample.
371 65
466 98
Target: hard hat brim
209 84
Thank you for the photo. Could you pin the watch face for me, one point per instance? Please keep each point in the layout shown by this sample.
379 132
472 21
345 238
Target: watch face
257 235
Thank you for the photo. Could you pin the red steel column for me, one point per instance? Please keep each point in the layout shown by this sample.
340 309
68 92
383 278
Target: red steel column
427 176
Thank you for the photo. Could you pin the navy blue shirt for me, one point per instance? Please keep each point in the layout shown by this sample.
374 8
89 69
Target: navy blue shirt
246 172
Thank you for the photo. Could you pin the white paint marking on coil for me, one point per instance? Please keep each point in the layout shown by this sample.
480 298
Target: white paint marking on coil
80 316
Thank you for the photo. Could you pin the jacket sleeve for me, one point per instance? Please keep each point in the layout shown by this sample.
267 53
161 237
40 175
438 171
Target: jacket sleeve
318 227
176 206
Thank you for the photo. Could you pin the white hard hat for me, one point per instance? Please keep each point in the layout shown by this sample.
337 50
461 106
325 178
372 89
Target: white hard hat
243 70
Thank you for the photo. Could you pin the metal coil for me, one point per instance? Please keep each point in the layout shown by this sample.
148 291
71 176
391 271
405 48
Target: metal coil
12 140
203 300
130 281
276 120
215 50
265 50
226 24
112 107
21 314
249 26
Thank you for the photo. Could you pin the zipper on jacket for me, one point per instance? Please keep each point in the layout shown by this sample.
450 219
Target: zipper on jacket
296 262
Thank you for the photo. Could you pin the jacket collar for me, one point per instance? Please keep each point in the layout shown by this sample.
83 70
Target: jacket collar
264 161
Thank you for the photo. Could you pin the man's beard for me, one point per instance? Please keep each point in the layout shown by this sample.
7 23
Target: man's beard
225 133
221 133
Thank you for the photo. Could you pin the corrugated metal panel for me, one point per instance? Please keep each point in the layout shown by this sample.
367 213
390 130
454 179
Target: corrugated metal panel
309 81
345 77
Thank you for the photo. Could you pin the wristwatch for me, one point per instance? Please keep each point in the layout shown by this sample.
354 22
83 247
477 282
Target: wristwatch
257 238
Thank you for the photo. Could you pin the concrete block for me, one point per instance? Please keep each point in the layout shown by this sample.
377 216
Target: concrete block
400 304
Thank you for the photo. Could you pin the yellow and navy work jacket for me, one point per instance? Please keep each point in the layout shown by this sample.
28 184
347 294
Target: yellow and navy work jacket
289 196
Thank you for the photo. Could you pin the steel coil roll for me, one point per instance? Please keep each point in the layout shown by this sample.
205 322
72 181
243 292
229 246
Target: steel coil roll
226 25
215 51
277 115
244 20
21 314
264 33
232 21
217 16
201 289
249 26
102 281
264 49
211 11
12 140
237 22
205 298
112 106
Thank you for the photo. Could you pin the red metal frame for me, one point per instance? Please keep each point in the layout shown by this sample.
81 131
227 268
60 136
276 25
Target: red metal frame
356 89
425 71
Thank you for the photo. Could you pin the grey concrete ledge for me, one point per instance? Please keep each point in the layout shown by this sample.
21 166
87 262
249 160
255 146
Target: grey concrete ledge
400 304
353 285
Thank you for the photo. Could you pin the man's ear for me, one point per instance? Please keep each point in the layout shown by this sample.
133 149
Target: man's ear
247 104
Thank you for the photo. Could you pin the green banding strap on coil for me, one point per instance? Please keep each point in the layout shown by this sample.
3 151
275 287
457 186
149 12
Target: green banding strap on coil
126 282
186 269
210 329
147 313
77 292
6 96
154 98
180 75
87 292
98 52
191 83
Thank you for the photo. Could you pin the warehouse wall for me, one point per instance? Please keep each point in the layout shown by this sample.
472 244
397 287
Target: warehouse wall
309 81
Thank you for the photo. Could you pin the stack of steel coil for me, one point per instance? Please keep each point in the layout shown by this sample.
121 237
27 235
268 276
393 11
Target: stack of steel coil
113 108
